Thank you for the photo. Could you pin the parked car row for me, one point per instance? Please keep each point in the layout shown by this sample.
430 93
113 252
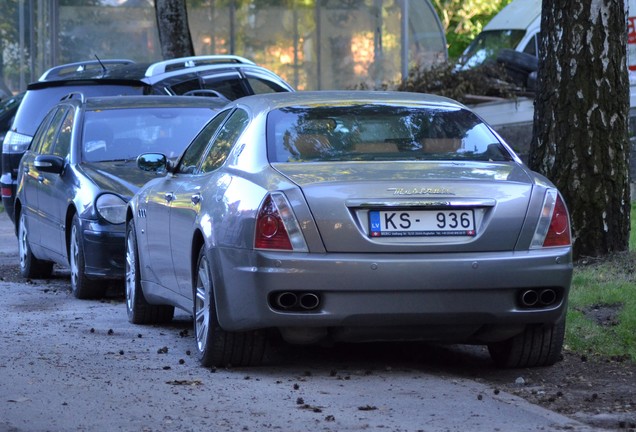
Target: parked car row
225 77
340 216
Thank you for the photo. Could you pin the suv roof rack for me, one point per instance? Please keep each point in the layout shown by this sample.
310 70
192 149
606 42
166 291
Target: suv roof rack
65 70
74 95
189 62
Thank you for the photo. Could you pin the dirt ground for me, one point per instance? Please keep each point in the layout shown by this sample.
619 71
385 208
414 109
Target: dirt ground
597 391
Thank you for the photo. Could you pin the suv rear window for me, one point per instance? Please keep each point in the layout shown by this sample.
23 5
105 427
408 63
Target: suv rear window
39 101
379 132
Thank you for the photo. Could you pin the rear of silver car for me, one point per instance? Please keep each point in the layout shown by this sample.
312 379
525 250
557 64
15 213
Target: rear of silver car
400 223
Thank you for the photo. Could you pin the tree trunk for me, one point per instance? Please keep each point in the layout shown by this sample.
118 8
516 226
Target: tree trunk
173 27
581 139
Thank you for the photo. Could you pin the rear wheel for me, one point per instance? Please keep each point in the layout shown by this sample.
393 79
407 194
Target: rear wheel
81 286
215 346
30 266
538 345
138 308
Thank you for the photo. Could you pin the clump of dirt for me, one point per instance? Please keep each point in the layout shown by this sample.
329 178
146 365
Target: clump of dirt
604 314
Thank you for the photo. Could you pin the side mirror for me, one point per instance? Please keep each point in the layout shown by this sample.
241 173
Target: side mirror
49 163
153 162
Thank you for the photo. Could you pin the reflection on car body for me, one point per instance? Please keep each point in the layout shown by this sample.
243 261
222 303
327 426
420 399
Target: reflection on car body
351 216
78 174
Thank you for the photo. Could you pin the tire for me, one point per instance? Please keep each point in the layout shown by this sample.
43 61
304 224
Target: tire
81 286
215 346
138 309
538 345
30 266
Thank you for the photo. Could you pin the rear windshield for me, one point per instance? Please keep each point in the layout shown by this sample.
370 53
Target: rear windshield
38 102
379 132
126 133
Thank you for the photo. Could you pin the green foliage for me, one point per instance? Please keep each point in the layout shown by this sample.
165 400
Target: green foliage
464 19
602 310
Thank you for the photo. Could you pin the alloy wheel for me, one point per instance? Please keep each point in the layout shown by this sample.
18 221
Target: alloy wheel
23 241
74 261
202 305
130 272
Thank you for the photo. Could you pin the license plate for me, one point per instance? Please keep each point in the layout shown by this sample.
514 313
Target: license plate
423 223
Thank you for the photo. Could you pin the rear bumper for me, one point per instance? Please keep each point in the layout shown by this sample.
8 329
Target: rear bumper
8 185
450 297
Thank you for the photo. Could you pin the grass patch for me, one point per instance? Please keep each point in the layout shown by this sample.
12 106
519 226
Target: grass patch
602 307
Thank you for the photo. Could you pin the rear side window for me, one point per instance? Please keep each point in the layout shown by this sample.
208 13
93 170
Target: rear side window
379 133
37 102
260 86
229 85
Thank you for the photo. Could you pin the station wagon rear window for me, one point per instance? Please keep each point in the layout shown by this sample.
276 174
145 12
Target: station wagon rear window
379 132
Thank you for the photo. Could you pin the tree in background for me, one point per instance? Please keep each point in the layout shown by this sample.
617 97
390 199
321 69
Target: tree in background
464 19
581 139
173 29
8 16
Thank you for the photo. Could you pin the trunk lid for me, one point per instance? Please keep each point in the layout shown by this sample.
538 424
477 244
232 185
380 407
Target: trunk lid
414 206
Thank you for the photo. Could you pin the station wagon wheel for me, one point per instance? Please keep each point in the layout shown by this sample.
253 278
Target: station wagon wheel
81 286
215 346
538 345
30 266
138 309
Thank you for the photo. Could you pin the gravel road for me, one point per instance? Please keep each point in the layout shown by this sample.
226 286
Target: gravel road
72 365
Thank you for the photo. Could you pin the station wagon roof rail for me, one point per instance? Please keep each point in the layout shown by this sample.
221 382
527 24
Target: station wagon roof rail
190 62
60 72
74 95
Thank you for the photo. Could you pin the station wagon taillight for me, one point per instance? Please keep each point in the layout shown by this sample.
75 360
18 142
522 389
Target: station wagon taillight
277 227
553 228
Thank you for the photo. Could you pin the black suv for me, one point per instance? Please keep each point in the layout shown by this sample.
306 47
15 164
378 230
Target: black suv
224 76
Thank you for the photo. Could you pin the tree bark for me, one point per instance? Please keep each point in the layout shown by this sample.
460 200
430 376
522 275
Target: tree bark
173 27
581 139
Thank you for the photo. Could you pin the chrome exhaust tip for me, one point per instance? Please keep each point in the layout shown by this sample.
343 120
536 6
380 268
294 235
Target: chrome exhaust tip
309 301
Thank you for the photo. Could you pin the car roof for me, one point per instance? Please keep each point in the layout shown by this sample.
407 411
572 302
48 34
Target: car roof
270 101
127 72
124 102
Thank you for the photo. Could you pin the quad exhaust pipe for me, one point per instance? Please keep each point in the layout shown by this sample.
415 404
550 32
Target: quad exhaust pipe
538 298
296 301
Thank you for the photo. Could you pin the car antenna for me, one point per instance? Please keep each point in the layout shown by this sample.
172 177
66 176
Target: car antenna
102 64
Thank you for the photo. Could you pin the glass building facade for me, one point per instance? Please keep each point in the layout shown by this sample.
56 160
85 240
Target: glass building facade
313 44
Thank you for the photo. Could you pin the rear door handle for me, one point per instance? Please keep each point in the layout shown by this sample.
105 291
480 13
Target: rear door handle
169 197
196 198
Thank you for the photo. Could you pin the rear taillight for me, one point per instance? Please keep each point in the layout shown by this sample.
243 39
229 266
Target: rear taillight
15 143
553 228
277 227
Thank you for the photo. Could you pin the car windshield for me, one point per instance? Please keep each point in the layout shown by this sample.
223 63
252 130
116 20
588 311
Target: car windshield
380 132
124 134
487 45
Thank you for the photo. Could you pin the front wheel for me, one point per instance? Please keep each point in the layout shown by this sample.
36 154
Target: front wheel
538 345
215 346
138 308
30 266
81 286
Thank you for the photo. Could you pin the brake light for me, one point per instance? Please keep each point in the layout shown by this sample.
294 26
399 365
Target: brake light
276 226
559 231
553 228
